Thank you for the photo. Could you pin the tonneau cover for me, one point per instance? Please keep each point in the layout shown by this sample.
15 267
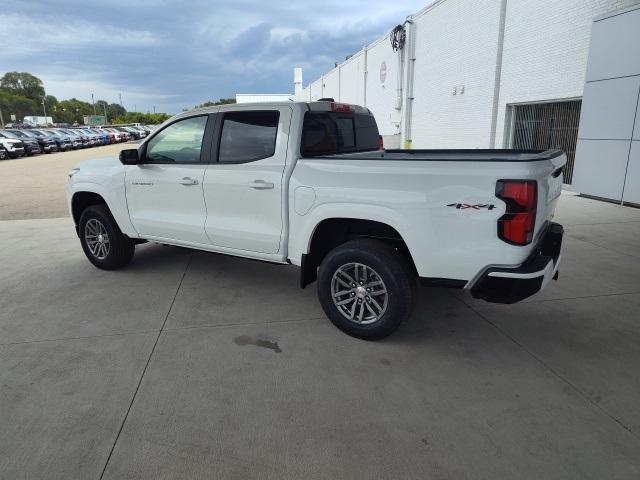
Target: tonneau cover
476 155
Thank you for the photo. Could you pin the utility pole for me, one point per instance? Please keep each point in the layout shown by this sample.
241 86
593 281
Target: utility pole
94 104
104 105
120 96
44 107
154 109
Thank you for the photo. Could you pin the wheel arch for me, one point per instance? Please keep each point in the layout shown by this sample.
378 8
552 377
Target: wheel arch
82 200
332 232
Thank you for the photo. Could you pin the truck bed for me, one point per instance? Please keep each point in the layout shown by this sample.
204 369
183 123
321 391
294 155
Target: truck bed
476 155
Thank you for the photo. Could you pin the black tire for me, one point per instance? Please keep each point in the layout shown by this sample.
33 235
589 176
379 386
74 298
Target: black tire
121 248
390 266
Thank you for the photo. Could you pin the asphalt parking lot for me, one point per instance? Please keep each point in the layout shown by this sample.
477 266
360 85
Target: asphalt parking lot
196 365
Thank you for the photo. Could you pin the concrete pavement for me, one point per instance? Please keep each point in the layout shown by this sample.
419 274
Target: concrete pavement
195 365
33 187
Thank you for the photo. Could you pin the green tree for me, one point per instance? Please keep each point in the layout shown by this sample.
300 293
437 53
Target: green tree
50 102
145 118
23 83
222 101
115 110
72 111
18 105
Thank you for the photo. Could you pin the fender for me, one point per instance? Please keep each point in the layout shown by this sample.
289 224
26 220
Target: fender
115 199
304 226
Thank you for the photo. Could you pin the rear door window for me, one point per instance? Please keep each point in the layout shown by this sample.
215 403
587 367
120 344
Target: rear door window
248 136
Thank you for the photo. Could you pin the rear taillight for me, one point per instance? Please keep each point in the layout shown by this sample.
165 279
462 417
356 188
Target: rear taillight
517 224
380 142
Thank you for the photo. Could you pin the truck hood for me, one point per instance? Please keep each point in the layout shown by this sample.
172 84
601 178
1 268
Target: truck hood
10 141
100 163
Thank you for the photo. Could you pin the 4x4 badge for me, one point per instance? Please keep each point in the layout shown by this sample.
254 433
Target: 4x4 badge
475 206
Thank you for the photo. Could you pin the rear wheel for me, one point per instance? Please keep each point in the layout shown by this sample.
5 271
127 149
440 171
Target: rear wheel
102 241
366 288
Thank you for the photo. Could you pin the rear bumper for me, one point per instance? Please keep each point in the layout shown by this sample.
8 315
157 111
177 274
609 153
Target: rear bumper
511 285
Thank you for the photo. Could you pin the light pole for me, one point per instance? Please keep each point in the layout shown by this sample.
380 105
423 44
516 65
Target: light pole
94 104
154 109
120 96
44 108
104 105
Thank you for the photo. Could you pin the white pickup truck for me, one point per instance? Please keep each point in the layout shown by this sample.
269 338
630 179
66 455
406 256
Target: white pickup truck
308 184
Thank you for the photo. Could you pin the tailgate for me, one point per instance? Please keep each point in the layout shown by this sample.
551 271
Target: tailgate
550 187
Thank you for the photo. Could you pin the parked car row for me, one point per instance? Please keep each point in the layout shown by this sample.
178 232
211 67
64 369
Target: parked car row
18 142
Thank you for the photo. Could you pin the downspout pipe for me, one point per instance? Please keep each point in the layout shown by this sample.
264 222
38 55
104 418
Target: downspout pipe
366 72
497 76
408 103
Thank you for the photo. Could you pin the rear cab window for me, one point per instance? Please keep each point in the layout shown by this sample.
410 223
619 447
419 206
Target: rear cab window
328 133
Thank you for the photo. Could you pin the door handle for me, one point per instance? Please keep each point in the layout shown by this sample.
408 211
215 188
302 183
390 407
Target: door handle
261 185
188 181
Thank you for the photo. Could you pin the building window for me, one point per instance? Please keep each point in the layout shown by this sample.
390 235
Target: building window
540 126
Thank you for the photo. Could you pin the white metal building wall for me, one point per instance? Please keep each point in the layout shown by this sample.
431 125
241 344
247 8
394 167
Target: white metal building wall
352 80
269 97
346 83
458 45
382 95
608 150
315 90
331 87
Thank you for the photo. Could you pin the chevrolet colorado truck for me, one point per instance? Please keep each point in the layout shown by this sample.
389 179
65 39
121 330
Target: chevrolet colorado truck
308 184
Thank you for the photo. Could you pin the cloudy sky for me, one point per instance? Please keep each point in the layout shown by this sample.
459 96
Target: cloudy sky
175 54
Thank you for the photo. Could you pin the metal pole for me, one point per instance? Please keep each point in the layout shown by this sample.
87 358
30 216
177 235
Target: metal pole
94 105
44 107
497 76
411 59
120 96
104 105
1 118
366 72
154 109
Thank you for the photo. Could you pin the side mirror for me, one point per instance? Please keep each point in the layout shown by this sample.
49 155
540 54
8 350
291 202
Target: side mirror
129 156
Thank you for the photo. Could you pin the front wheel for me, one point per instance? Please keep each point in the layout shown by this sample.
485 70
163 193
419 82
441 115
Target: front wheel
102 241
366 288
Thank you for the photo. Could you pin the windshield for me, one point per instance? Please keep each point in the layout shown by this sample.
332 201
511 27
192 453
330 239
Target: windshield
6 134
19 134
36 133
